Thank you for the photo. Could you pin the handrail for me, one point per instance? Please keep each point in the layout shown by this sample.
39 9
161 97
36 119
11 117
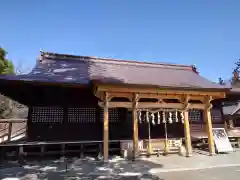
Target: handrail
12 134
13 120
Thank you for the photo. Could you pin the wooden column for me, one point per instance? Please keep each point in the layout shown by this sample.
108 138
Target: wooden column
9 131
149 140
166 145
187 134
208 120
105 129
135 125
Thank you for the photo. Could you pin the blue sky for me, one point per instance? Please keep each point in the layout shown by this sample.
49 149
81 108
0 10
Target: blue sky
205 33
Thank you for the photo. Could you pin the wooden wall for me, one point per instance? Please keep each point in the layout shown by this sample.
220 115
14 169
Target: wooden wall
70 114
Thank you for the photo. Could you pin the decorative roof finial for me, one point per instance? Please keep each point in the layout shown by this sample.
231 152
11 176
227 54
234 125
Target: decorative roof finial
41 51
41 55
195 69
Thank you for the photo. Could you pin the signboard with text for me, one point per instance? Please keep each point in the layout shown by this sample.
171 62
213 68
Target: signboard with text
221 140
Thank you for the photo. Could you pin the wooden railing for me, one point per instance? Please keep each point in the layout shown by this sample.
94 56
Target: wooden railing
12 129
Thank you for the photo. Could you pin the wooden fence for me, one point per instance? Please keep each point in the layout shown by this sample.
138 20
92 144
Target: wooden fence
12 129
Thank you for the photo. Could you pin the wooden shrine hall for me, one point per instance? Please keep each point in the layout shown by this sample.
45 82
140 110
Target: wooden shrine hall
79 98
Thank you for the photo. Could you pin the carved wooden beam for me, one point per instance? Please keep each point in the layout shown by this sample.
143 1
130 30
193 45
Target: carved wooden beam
180 95
135 97
207 102
159 96
129 96
145 105
199 98
184 101
160 91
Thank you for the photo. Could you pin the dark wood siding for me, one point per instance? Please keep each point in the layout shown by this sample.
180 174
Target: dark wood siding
70 114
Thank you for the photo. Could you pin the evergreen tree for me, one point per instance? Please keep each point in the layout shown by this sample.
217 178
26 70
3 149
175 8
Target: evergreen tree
235 78
6 66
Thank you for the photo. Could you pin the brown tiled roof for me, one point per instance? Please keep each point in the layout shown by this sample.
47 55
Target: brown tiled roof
84 69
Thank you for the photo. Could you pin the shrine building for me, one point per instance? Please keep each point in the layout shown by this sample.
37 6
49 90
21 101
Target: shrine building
89 99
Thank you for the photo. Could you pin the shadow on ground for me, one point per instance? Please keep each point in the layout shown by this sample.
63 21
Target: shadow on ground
73 168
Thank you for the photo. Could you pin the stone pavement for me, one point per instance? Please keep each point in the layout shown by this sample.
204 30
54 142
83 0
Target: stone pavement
196 162
226 173
117 168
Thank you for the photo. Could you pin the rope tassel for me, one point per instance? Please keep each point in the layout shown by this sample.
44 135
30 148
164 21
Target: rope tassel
182 117
140 117
159 118
152 116
164 118
147 117
176 114
170 118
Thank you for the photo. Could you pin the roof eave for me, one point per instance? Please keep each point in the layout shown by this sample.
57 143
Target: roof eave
98 82
38 82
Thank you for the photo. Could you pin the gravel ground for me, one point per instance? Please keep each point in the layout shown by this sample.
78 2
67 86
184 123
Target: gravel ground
73 168
173 167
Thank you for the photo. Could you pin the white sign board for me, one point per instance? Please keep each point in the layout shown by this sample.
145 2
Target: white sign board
221 140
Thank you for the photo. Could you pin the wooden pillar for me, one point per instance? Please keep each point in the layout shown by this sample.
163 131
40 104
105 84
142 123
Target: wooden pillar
166 145
187 134
208 120
105 129
9 131
135 126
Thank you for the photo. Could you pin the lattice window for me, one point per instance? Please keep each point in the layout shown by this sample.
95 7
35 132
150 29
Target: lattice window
216 115
47 115
195 115
114 115
101 114
81 115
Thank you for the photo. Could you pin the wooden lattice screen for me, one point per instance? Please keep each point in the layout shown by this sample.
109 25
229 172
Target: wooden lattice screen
216 116
195 116
114 115
47 115
81 115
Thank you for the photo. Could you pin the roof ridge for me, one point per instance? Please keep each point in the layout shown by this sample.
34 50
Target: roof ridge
52 55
